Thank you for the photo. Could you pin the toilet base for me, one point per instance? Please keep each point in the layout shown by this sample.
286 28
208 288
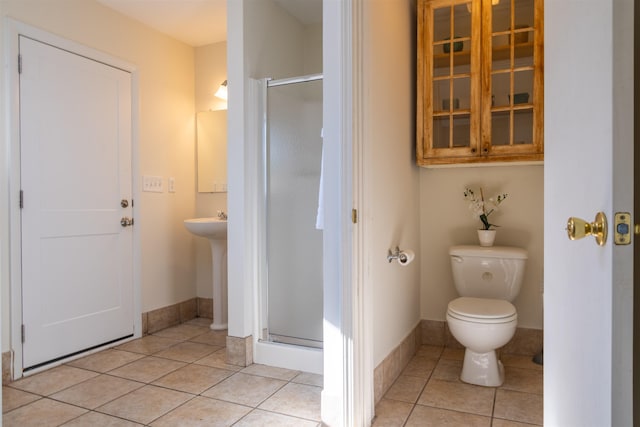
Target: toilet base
482 369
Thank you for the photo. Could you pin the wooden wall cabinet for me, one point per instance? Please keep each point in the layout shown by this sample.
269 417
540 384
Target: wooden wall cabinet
480 81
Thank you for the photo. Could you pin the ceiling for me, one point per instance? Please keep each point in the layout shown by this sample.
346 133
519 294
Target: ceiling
200 22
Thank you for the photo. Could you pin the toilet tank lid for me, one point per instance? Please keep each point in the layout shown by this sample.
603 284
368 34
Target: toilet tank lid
489 251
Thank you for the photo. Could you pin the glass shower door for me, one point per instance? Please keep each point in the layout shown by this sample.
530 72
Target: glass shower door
293 155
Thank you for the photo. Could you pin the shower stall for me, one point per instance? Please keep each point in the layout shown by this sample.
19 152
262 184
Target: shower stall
290 288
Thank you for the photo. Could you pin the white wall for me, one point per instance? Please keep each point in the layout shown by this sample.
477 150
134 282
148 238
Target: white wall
445 221
166 138
391 215
210 71
268 42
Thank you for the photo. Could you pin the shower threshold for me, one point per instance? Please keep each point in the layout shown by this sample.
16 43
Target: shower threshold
283 339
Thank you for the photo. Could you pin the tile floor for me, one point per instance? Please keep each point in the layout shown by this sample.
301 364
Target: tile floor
178 377
430 393
175 377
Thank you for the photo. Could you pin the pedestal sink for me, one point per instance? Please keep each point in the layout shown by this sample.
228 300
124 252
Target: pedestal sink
214 229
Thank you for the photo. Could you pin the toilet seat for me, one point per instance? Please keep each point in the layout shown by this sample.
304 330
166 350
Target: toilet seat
482 310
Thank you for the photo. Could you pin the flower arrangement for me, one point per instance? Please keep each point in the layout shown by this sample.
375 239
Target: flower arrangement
483 208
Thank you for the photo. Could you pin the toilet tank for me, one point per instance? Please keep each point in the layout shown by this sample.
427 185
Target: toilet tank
488 272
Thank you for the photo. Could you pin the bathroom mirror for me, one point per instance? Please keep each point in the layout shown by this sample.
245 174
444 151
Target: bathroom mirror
212 151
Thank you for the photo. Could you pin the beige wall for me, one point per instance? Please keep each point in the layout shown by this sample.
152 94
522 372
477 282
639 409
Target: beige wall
165 146
446 221
210 71
391 215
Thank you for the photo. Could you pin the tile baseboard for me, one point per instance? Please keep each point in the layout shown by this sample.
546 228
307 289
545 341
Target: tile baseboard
526 342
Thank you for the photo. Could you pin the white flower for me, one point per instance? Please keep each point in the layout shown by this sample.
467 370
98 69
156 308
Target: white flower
481 208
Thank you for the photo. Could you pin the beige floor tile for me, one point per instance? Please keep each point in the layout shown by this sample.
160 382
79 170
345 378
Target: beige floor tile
431 351
517 406
424 416
181 332
260 418
106 360
148 369
298 400
53 380
210 337
204 412
43 412
270 372
525 380
148 345
218 359
95 419
245 389
420 366
309 379
447 370
458 397
97 391
200 321
506 423
145 404
518 361
193 378
391 413
453 353
187 351
406 389
13 398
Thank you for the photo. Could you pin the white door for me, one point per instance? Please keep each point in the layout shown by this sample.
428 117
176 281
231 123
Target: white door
75 136
588 289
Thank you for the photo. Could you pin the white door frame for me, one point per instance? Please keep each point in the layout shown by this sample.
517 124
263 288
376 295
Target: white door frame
13 30
347 397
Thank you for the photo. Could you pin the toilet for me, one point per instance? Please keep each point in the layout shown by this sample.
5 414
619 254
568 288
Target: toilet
483 319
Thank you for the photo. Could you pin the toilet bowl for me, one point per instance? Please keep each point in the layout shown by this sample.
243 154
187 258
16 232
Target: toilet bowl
483 319
482 325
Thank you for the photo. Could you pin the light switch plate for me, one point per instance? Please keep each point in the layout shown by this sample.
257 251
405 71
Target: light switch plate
152 184
172 185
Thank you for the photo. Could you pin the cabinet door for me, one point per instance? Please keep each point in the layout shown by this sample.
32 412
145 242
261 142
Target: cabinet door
448 80
512 91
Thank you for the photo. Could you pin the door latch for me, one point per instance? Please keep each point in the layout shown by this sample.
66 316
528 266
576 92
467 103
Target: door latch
622 228
126 221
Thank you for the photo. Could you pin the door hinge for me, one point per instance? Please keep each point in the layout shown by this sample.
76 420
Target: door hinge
19 64
21 199
22 332
354 216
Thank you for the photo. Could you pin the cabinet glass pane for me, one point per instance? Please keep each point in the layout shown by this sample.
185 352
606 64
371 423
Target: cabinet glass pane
523 53
440 94
461 93
523 87
501 16
500 123
441 132
523 126
461 130
462 22
462 62
441 25
441 65
500 88
524 12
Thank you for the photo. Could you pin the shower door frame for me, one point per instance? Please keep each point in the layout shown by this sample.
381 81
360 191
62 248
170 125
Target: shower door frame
287 355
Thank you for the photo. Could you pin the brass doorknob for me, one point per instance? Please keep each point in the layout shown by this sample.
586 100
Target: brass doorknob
578 228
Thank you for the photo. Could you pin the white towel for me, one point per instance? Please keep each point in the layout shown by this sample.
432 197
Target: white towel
320 215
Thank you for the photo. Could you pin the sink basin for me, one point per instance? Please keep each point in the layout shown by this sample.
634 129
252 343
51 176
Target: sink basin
212 228
215 230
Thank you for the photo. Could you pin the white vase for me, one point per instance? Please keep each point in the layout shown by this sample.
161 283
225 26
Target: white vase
486 237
